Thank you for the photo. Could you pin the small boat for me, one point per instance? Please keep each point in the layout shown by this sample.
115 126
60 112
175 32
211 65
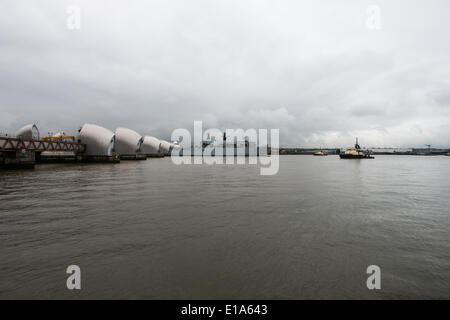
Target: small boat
320 153
356 153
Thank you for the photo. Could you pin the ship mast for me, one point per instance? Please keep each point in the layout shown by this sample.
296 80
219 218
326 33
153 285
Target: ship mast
356 144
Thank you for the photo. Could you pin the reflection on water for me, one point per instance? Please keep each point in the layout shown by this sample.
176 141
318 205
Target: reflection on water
150 229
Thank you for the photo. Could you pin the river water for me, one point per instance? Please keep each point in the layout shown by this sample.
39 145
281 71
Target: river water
154 230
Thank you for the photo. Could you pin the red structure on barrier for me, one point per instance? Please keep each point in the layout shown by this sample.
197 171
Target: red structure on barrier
14 144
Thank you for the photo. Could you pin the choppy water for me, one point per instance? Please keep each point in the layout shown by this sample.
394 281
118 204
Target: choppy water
150 229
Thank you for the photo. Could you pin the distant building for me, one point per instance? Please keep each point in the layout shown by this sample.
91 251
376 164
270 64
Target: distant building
391 150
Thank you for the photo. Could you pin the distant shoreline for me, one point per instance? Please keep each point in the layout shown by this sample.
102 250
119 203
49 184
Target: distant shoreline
411 152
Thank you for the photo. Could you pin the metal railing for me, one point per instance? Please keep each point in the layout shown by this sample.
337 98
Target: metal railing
12 144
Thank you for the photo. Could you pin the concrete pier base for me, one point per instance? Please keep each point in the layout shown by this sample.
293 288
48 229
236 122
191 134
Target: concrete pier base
133 157
55 157
157 155
19 159
97 159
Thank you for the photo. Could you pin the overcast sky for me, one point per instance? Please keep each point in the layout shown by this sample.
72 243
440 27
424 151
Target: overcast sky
313 69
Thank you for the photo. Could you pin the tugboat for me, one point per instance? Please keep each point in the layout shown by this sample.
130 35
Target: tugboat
320 153
356 153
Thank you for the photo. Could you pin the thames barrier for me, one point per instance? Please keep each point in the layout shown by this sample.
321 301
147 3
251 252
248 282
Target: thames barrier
93 144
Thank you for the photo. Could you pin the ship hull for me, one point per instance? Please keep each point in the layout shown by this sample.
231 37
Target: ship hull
352 156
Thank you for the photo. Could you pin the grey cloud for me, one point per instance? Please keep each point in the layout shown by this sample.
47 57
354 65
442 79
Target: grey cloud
310 68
